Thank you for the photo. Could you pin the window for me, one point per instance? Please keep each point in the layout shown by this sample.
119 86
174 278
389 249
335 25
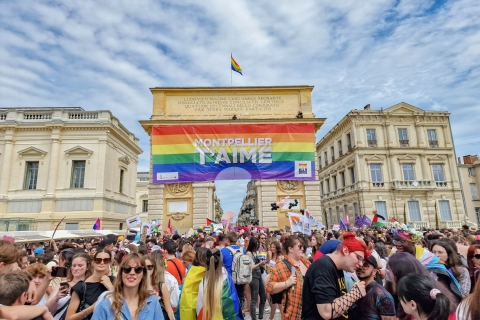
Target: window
477 213
330 215
326 158
328 185
445 213
349 142
323 187
335 187
340 152
332 151
352 174
31 175
471 172
408 171
120 226
403 137
432 138
474 191
342 177
381 207
438 172
337 208
376 172
414 209
144 205
372 138
345 209
355 208
78 174
120 188
71 226
320 162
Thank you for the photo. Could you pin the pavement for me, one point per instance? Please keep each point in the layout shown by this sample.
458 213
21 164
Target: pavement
266 316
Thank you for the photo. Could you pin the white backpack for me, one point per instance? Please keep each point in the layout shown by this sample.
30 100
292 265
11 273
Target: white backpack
241 267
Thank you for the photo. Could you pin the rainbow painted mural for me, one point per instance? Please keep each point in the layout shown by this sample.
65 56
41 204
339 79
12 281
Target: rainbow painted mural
193 153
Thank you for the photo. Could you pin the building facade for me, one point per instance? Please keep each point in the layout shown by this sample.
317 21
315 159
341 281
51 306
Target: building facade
65 162
399 162
469 172
141 195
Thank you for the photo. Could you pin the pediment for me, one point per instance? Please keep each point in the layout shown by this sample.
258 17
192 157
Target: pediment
125 159
78 150
403 108
32 151
375 158
437 158
407 157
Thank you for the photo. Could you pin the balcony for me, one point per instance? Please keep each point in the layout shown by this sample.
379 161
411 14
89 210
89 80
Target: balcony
372 143
378 185
340 153
433 143
349 147
413 184
451 224
418 225
404 143
441 184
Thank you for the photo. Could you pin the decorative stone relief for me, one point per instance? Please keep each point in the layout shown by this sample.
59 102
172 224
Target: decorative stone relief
178 189
289 185
178 215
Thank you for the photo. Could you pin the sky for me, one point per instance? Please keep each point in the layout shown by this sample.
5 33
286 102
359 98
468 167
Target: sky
107 54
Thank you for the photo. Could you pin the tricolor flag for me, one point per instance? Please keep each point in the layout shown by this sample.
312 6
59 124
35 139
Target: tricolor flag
376 216
235 66
97 225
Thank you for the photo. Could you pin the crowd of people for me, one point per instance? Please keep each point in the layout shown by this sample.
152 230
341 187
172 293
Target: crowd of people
370 273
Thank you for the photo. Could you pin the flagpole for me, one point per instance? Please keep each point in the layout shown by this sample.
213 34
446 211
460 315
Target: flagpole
231 81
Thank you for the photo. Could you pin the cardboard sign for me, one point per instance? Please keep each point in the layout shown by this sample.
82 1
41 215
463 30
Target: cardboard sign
10 239
133 221
336 227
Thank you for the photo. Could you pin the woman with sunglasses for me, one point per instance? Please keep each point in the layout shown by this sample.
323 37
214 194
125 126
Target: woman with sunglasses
85 293
156 276
473 261
130 298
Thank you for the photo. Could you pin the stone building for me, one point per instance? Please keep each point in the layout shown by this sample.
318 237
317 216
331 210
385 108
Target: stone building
399 161
470 179
141 195
65 162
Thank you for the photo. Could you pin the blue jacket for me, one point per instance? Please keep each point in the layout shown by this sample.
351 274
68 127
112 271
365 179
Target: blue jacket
151 311
228 257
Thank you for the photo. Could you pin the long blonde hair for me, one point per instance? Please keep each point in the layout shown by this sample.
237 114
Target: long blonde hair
213 286
117 294
158 275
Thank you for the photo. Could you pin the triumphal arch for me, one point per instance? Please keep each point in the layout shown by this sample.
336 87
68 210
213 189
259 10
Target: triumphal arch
198 135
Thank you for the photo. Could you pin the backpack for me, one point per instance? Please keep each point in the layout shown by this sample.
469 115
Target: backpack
241 267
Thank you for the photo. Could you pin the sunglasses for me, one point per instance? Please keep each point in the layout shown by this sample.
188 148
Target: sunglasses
150 267
104 260
476 256
128 269
262 238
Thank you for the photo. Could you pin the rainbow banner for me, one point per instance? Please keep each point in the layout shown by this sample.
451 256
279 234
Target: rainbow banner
193 153
235 66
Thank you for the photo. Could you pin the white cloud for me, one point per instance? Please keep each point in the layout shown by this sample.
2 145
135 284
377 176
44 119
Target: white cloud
106 54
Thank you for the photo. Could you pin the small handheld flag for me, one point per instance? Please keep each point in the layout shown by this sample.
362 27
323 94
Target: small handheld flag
169 226
235 66
97 225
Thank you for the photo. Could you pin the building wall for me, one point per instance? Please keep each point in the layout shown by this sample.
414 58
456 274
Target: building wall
470 178
390 153
55 138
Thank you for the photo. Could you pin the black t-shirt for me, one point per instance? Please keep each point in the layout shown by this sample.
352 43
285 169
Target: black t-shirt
94 290
322 284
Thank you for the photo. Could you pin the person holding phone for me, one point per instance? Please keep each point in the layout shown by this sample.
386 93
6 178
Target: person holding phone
60 298
85 293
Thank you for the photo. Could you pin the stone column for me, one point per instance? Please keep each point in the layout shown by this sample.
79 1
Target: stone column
54 155
418 129
202 205
312 199
393 172
268 194
102 158
425 168
446 135
155 202
453 170
7 162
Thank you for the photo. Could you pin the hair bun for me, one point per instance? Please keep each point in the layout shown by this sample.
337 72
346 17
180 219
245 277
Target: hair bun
434 292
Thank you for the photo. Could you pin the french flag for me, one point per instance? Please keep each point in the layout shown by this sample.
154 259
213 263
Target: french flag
96 226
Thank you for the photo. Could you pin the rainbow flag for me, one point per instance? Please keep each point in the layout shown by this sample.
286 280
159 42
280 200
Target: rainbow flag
262 255
235 66
192 153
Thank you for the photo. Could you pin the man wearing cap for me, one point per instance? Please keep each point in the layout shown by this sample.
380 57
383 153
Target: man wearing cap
378 303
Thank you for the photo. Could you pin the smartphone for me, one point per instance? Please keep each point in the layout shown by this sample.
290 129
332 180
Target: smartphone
293 271
59 272
64 285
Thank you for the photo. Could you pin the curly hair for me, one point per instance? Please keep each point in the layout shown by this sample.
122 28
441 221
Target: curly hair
117 293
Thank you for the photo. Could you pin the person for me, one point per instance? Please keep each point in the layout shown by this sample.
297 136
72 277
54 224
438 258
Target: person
217 298
130 298
446 250
23 260
13 288
378 303
174 265
59 300
469 308
324 291
402 264
316 241
287 283
274 256
421 300
22 313
84 294
327 247
187 259
473 261
257 287
404 240
227 256
41 278
8 256
189 295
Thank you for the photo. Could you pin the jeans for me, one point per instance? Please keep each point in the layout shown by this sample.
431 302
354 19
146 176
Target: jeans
257 288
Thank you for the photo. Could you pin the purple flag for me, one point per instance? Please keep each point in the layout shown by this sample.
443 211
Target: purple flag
358 221
343 224
366 221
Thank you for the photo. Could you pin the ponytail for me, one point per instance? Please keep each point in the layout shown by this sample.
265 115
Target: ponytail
213 286
430 301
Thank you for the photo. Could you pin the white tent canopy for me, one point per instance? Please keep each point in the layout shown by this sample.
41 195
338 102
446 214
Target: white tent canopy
45 236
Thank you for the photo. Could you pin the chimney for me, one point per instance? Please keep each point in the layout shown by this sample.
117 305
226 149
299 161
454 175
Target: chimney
367 107
459 160
467 159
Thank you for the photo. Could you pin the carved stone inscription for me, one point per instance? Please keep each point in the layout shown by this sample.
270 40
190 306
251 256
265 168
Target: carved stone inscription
232 104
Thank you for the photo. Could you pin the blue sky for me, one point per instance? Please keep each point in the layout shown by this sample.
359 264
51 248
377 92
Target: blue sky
107 54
